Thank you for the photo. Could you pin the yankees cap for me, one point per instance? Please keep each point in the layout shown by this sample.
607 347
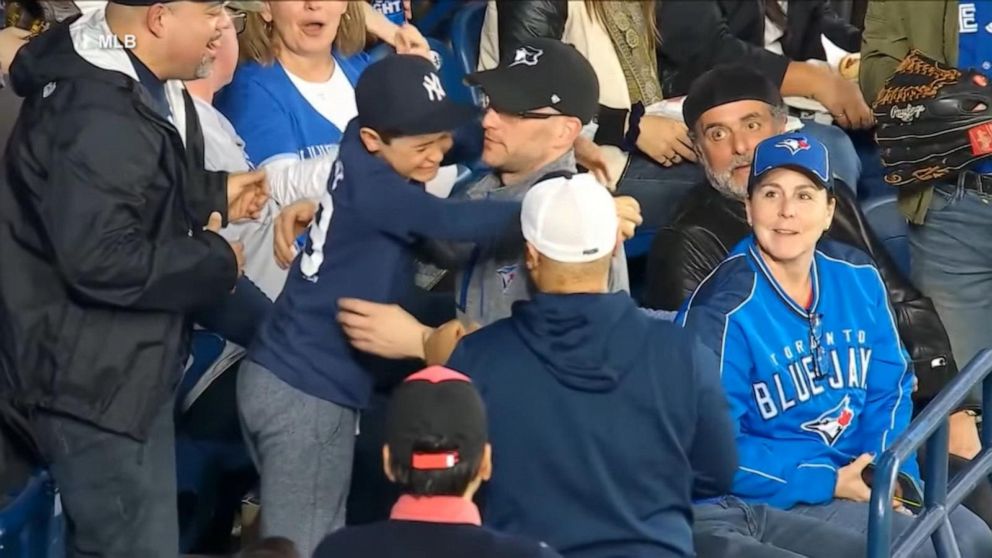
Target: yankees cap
795 151
436 420
402 95
542 73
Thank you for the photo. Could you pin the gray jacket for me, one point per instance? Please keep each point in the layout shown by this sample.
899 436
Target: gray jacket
491 278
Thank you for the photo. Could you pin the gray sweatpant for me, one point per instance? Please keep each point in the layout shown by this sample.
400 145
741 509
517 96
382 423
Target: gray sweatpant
303 447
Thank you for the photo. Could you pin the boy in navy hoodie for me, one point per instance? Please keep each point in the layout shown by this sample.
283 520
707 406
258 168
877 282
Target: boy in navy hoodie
437 452
302 386
604 414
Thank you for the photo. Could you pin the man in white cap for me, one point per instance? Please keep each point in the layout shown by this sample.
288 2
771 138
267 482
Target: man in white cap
602 410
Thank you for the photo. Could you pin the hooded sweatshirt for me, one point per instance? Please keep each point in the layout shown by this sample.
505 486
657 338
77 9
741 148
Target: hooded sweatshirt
598 416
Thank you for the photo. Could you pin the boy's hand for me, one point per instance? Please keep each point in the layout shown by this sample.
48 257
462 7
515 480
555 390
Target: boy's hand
289 224
385 330
442 341
629 215
247 193
850 485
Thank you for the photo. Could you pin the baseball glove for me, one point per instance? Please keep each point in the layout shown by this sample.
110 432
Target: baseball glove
933 121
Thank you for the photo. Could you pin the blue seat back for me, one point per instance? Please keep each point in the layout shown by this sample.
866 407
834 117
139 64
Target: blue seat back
466 33
30 526
891 228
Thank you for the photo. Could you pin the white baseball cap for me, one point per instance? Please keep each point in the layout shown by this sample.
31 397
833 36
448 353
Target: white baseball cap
570 220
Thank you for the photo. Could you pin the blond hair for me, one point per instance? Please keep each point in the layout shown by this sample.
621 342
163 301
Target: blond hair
257 43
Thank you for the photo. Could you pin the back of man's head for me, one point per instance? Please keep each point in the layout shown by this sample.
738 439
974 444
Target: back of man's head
436 435
571 228
175 39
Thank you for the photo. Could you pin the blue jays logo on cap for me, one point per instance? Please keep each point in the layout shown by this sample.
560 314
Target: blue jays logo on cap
506 275
796 151
794 145
527 55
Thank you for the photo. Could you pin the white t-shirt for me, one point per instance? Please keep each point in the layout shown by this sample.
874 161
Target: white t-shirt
774 33
223 150
334 99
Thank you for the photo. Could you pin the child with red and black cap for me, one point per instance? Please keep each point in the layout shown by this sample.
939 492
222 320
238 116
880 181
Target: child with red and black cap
437 451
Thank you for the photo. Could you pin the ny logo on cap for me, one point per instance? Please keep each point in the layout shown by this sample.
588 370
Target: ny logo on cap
527 55
435 91
794 145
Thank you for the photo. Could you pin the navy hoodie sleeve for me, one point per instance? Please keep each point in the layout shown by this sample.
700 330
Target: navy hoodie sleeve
402 209
714 453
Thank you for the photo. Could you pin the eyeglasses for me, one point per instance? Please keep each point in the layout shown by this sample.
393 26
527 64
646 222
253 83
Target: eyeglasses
239 19
526 114
816 346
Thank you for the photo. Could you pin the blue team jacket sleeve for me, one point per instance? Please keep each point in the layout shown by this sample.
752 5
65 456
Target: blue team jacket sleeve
260 119
409 212
888 401
769 471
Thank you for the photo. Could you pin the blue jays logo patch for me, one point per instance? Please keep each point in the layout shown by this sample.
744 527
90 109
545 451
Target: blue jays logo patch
832 424
527 55
506 275
793 145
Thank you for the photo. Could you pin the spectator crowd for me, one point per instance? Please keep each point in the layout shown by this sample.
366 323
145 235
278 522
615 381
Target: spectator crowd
629 304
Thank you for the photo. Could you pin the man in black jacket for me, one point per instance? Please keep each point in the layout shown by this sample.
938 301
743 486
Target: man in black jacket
698 35
729 110
107 246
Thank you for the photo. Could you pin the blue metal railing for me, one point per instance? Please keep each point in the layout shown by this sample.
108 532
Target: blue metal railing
931 428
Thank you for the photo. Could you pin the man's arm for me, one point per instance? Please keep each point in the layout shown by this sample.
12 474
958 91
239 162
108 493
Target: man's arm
837 29
92 214
678 263
411 213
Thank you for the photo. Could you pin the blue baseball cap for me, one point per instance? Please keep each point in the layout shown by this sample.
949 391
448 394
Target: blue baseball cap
794 151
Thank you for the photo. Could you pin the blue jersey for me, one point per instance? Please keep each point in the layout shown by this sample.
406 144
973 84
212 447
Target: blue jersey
274 118
809 389
975 45
365 251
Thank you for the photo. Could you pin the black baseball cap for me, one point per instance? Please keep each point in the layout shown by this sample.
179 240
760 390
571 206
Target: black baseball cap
434 404
542 73
402 94
727 84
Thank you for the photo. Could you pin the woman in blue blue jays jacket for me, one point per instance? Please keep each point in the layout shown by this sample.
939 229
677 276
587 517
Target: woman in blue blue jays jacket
810 359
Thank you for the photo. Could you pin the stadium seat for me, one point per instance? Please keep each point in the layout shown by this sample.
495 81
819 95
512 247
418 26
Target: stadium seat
30 522
882 214
466 31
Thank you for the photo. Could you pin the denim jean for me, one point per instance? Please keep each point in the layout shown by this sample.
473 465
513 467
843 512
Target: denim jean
303 448
972 534
730 528
951 255
656 188
119 494
845 163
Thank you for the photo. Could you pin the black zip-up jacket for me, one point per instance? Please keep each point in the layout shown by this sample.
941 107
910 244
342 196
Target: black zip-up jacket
708 224
697 35
103 253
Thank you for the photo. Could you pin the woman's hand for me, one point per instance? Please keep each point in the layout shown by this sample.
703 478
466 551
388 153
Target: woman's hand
850 485
665 140
409 40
